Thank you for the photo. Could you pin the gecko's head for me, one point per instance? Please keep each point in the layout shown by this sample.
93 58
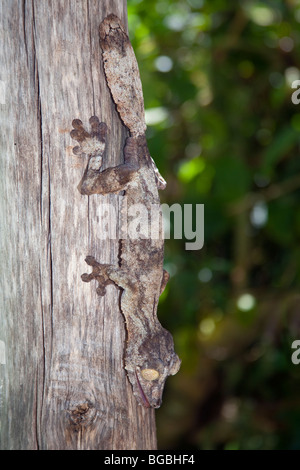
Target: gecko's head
155 360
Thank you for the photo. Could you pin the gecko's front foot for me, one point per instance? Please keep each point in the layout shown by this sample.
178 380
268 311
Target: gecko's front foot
91 143
99 273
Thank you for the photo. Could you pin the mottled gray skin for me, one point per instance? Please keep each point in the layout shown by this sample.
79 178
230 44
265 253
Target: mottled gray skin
149 357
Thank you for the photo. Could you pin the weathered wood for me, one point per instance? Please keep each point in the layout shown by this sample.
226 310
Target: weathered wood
62 382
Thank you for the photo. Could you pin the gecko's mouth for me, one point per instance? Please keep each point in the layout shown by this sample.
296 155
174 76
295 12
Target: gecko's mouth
143 396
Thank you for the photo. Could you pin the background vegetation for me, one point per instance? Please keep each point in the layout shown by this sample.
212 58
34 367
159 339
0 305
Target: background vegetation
224 132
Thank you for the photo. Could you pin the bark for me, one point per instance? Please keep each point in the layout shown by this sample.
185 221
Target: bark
62 380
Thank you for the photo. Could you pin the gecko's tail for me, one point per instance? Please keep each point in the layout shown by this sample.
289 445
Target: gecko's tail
122 74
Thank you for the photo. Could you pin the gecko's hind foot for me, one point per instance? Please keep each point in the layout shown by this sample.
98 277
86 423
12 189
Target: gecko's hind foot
99 273
90 143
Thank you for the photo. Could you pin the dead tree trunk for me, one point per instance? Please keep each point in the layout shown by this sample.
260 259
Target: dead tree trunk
62 382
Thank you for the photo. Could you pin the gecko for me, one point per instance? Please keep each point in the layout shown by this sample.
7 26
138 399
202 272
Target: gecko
149 356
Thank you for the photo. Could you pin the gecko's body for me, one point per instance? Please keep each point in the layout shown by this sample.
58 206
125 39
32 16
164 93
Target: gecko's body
150 355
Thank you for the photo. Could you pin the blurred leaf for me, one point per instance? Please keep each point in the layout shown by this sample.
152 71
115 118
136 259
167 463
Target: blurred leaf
283 142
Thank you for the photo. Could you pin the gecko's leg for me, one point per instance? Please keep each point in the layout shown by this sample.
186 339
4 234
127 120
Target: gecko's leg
94 180
106 274
99 273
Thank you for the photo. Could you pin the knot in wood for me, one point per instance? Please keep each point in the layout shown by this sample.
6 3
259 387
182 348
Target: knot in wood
82 414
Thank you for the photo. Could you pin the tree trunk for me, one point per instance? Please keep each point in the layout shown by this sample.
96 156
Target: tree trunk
62 383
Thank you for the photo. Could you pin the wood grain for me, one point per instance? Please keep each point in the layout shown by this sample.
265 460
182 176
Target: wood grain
62 380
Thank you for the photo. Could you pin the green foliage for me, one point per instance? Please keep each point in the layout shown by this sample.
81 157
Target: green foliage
224 132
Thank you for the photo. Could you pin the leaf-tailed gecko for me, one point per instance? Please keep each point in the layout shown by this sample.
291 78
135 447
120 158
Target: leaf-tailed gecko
149 357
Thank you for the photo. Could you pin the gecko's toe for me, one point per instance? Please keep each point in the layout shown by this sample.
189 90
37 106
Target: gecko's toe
78 133
77 123
77 150
87 277
99 129
74 134
101 291
102 131
94 122
90 260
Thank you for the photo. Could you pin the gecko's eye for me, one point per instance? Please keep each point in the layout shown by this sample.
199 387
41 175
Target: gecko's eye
150 374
